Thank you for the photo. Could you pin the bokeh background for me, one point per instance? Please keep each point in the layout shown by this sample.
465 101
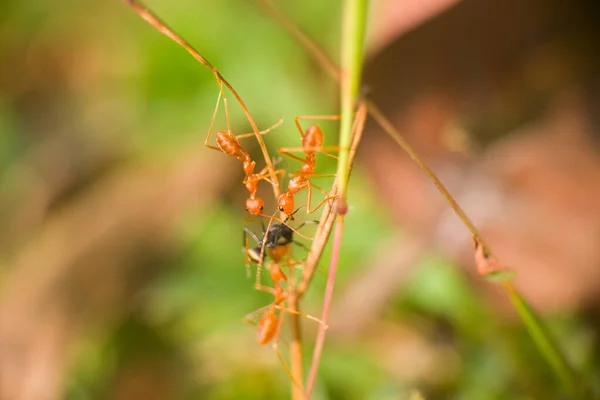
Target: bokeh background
121 274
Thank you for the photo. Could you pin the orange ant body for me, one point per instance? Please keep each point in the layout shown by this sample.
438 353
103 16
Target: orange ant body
227 143
277 239
269 323
312 143
230 144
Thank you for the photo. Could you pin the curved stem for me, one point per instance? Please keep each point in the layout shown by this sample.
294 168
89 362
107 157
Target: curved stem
163 28
320 341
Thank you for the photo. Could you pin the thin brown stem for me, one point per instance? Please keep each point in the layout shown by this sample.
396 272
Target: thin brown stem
357 130
163 28
332 69
296 347
387 126
320 340
310 45
329 215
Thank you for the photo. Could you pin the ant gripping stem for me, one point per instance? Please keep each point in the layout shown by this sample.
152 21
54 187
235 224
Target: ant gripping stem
163 28
277 234
229 144
312 143
270 323
276 240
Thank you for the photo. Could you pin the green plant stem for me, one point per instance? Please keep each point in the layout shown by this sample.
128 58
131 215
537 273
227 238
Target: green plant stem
353 37
355 17
544 341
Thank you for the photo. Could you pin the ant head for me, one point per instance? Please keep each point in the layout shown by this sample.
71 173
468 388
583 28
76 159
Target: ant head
255 205
249 167
285 203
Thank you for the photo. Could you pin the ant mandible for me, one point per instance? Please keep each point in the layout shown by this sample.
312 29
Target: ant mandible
312 143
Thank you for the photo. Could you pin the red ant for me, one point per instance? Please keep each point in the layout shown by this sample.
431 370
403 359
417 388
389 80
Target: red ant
312 143
270 322
229 144
278 239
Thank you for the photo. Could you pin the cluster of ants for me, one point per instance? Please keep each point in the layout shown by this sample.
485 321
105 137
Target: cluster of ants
278 236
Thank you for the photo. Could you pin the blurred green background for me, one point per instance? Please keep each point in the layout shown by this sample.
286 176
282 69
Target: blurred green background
121 270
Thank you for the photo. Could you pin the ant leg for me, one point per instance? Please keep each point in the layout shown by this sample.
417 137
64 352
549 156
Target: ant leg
269 129
286 151
252 234
313 117
285 223
212 121
259 260
307 222
289 310
285 366
247 259
251 317
324 150
313 175
226 107
258 284
263 288
264 229
291 263
263 175
263 244
300 245
280 357
308 201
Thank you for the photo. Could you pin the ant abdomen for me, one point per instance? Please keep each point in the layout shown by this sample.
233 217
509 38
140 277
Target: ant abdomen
267 327
230 145
255 205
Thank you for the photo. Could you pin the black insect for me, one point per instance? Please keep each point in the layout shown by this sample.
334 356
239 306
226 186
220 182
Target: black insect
279 234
